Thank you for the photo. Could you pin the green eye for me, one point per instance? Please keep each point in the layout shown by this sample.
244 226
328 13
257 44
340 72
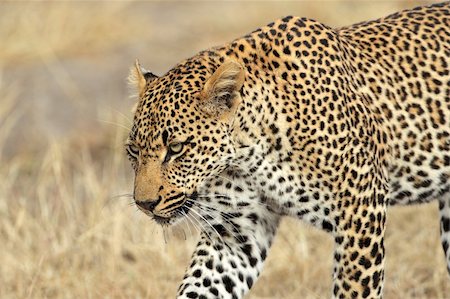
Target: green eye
176 148
132 150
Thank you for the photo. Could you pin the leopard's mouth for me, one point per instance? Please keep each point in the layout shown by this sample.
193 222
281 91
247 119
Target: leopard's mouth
178 213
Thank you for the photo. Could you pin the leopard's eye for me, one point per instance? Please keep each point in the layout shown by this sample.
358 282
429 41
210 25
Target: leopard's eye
132 150
176 148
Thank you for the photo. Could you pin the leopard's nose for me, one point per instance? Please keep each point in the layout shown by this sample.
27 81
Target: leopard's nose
148 205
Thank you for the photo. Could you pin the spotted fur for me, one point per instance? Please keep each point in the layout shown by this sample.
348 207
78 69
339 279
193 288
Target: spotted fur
298 119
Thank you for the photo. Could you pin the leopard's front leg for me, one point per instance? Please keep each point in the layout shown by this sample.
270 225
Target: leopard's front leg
233 247
359 245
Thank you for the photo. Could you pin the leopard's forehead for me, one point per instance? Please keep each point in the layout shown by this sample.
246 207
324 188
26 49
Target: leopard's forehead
170 101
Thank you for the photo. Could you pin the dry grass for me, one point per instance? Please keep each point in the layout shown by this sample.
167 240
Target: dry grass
64 232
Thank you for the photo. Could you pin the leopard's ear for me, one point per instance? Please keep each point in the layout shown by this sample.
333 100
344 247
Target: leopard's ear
139 77
220 95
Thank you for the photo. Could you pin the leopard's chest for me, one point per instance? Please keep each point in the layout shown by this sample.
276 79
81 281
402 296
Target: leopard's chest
289 191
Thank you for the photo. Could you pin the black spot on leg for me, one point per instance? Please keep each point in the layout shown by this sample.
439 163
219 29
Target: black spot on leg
228 283
327 226
214 291
192 295
249 281
366 293
206 282
445 223
197 273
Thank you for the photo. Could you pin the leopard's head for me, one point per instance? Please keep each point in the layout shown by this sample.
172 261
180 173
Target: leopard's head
181 132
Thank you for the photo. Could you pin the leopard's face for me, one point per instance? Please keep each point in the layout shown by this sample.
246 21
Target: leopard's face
180 138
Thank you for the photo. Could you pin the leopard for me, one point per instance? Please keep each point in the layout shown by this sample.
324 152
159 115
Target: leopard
297 119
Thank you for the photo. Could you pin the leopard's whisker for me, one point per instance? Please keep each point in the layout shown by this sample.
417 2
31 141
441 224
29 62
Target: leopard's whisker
204 219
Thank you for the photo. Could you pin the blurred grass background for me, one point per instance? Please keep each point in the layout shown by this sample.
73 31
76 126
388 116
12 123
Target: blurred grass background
65 231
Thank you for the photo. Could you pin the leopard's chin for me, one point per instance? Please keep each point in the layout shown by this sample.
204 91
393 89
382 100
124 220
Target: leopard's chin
163 221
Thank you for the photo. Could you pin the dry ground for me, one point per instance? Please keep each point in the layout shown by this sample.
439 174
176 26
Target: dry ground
65 231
